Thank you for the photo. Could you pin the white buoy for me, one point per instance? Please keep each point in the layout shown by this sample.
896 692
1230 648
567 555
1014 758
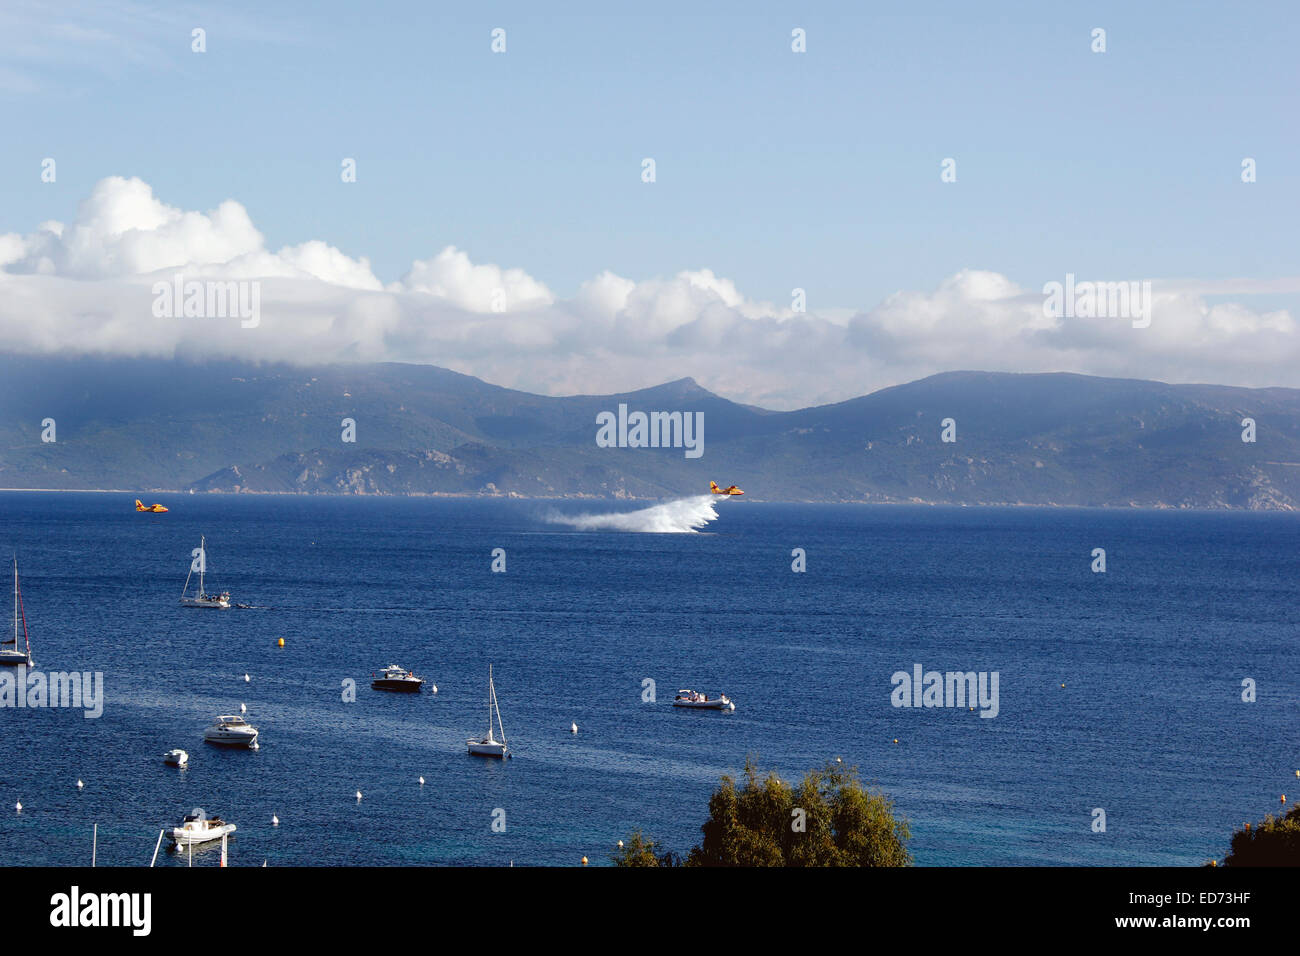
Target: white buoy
732 706
246 678
573 728
422 781
275 821
620 844
243 709
19 806
80 784
838 760
358 796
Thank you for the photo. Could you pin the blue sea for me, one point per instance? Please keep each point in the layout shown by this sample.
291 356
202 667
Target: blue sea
1120 691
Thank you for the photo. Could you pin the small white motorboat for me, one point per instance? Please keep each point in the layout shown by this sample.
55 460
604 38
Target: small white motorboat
176 758
488 745
232 731
697 701
397 678
198 828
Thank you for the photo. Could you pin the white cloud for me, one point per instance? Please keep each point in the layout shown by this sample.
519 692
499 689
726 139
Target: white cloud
605 296
86 287
123 231
483 288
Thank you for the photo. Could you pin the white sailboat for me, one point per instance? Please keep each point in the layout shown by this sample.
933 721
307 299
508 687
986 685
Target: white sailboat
14 656
488 745
202 598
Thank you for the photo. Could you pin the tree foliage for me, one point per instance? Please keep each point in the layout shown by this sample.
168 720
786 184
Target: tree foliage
638 851
828 819
1275 842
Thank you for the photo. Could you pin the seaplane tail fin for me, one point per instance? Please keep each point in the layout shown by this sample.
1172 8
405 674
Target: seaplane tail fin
139 505
713 486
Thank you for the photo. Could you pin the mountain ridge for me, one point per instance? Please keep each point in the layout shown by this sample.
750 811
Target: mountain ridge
1053 438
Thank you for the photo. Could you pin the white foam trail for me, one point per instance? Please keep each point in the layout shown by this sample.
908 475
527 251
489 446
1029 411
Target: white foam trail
683 516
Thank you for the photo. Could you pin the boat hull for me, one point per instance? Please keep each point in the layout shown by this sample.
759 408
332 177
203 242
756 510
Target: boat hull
401 686
482 748
14 659
199 602
183 837
703 704
230 740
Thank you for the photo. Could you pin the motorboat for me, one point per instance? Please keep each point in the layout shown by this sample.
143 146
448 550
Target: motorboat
397 678
202 598
697 701
176 758
488 745
198 828
12 653
232 731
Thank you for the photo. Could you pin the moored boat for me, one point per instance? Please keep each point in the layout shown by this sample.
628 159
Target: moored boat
198 828
232 731
12 653
488 745
202 598
399 679
697 701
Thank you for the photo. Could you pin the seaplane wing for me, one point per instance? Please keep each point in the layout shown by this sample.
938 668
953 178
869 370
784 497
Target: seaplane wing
155 509
732 490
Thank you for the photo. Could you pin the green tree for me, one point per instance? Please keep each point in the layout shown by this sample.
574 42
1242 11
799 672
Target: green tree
829 819
638 851
1275 842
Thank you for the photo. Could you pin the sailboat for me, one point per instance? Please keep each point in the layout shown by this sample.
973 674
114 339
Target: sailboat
488 745
202 598
12 656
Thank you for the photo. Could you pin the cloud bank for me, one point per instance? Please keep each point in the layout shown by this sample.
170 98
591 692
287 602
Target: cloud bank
87 287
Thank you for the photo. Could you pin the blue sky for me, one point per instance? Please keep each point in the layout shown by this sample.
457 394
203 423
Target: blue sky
818 170
775 170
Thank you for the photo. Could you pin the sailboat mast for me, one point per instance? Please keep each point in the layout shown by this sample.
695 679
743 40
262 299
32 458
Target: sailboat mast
15 604
497 706
26 639
203 560
494 706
